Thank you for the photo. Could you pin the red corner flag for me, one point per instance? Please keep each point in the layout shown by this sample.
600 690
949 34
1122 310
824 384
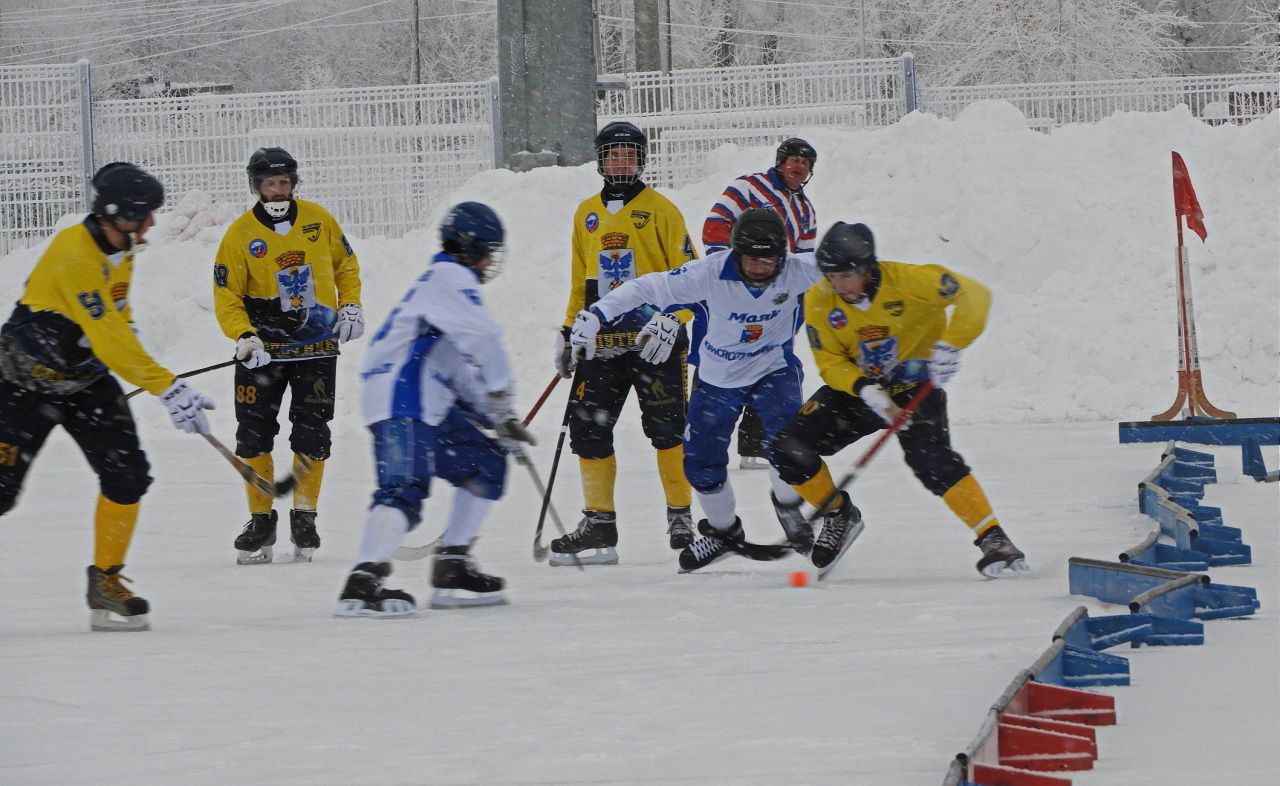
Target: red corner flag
1184 199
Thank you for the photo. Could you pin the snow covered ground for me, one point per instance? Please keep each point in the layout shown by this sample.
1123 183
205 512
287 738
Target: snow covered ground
636 674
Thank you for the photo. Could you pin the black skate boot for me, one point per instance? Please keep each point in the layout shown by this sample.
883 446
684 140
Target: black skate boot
253 545
710 547
679 527
364 595
457 582
302 531
840 528
999 556
798 529
108 596
597 535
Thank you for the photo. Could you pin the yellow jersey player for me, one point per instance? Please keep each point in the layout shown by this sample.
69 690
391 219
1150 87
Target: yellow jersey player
619 234
70 331
878 330
286 288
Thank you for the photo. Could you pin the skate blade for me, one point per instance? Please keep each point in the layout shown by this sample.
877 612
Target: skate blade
1006 570
461 599
753 462
857 529
259 557
302 555
358 608
606 556
102 620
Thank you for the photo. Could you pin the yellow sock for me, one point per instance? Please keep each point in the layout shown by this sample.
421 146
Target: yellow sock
819 488
674 483
113 525
967 500
307 493
598 476
264 466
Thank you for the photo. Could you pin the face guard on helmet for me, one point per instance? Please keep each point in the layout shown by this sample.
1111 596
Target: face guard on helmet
621 152
267 162
759 233
125 193
847 247
472 232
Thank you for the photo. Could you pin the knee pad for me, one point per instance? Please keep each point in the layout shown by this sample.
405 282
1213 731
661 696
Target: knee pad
592 447
313 440
406 499
666 441
126 488
256 437
795 461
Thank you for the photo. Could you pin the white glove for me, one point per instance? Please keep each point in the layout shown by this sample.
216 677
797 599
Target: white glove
564 360
875 397
657 337
350 322
582 339
251 352
944 363
186 407
506 424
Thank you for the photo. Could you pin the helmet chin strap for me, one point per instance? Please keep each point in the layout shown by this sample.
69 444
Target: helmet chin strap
277 210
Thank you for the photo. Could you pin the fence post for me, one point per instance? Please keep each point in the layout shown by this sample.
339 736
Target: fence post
495 121
86 131
909 83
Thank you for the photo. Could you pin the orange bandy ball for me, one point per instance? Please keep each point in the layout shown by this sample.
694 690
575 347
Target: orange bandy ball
800 579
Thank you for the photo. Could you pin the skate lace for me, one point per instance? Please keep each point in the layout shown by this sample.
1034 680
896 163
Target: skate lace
707 546
833 531
113 589
680 522
580 534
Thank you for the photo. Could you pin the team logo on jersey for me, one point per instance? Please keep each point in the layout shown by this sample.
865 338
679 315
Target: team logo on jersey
311 231
640 218
873 332
220 275
297 288
781 298
895 307
592 223
257 248
947 285
837 319
347 247
291 259
751 333
879 357
610 240
617 266
120 295
814 341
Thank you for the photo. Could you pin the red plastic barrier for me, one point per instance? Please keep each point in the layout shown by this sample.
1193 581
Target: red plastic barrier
1037 749
991 775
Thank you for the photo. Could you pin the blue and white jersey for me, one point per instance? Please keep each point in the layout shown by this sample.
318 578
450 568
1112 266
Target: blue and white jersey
437 348
740 333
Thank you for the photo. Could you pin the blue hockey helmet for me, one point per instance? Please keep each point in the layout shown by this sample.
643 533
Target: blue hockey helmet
759 233
847 247
626 136
472 231
268 161
125 192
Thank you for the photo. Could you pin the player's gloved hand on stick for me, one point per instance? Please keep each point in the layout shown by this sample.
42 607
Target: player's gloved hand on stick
186 407
250 351
582 339
350 324
943 364
875 397
563 357
506 424
658 337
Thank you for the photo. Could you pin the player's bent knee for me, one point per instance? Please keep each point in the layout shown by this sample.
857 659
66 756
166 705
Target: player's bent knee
795 461
406 499
126 489
666 441
592 448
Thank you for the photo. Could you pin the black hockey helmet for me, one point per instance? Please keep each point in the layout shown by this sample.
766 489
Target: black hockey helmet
472 231
125 192
620 133
795 146
759 232
268 161
847 247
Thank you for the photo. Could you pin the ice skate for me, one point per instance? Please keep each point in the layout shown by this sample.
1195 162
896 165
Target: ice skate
302 531
999 556
711 547
365 596
797 528
753 462
679 527
840 528
458 584
253 545
594 542
108 597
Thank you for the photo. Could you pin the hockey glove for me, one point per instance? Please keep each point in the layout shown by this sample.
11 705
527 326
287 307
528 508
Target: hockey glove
186 407
658 337
880 403
250 352
350 322
563 359
944 363
511 431
582 339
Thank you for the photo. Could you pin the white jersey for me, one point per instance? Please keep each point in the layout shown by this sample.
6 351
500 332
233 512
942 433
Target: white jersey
740 333
437 348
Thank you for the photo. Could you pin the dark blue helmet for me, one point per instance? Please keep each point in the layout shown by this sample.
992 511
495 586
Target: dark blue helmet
795 146
472 231
621 134
847 247
125 192
759 232
268 161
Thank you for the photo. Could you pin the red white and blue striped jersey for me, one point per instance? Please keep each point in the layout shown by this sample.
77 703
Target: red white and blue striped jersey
762 189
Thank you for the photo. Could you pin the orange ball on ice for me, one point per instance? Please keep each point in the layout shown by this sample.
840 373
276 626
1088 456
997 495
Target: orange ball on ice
800 579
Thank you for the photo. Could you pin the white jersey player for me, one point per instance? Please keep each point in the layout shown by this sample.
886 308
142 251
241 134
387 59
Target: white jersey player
747 306
435 375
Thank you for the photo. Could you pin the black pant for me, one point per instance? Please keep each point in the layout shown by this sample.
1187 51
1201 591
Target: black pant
97 418
831 420
750 434
600 388
259 393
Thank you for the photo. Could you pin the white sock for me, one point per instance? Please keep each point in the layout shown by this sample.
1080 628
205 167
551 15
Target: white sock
465 518
384 529
785 494
720 506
